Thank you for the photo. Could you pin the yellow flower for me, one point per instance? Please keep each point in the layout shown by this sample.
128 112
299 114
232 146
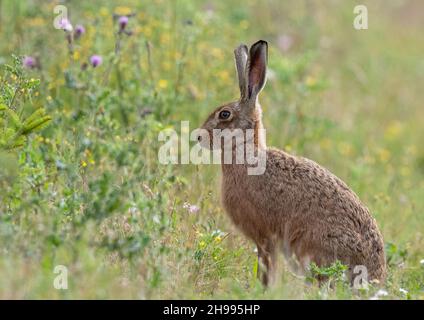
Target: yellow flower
164 38
310 81
325 143
35 22
202 244
224 75
217 53
405 171
345 149
147 31
138 29
162 84
218 239
244 24
104 11
122 11
384 155
178 55
83 163
76 55
166 65
393 130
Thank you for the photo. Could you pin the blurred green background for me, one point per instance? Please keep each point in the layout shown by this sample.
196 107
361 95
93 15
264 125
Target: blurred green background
88 192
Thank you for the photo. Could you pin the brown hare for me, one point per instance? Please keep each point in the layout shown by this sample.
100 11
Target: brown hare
296 205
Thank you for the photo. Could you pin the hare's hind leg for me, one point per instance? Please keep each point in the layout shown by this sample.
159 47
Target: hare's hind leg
267 262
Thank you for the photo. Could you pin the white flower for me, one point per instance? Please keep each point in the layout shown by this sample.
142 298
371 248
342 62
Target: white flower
382 292
156 219
378 294
217 233
403 291
422 262
191 208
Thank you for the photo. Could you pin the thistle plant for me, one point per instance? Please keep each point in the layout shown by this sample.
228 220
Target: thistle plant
15 90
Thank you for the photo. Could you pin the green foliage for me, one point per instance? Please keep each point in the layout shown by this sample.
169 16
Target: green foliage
331 274
15 90
395 255
89 193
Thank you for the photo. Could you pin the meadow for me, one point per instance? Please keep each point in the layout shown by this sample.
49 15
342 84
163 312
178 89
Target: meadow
81 110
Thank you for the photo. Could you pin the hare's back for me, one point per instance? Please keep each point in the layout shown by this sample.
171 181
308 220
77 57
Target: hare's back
320 213
302 187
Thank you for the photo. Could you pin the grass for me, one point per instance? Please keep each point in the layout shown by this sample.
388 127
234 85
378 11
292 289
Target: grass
88 192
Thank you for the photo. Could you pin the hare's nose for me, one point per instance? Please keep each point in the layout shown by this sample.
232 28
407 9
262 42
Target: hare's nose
199 138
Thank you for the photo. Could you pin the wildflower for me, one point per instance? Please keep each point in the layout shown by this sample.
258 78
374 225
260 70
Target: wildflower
29 62
422 262
384 155
163 83
65 25
218 239
122 11
224 75
156 219
76 56
79 31
217 233
123 21
96 60
285 42
190 207
403 291
379 293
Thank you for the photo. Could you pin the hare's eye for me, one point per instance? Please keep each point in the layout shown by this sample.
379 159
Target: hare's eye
224 114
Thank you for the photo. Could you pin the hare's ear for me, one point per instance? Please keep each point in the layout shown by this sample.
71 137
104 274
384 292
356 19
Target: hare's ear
256 68
240 55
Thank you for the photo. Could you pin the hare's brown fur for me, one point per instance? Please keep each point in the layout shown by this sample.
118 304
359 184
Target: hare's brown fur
296 205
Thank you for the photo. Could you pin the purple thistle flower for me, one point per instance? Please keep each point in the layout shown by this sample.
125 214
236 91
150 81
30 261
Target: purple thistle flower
66 25
29 62
191 208
96 60
79 30
123 21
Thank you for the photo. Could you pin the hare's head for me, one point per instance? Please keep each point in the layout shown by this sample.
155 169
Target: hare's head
244 113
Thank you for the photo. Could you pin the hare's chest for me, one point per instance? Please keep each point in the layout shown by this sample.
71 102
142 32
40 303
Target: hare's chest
241 209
